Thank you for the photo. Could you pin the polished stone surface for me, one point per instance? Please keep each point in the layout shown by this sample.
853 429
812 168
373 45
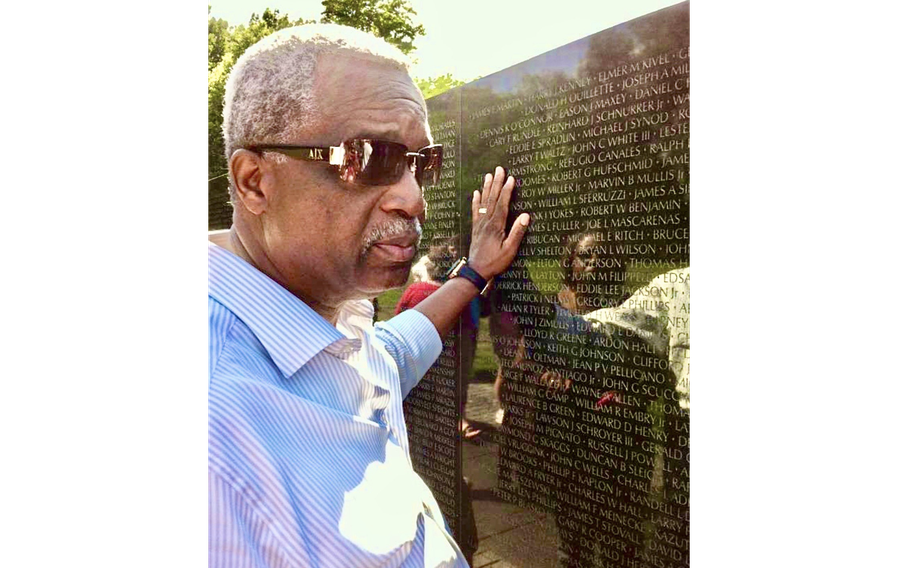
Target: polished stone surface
588 331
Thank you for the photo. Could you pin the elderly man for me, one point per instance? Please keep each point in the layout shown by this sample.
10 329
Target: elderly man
328 145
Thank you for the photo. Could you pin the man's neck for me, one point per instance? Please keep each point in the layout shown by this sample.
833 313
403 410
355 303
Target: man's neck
261 262
236 246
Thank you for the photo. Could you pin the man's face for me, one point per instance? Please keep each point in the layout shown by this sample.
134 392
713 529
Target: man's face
338 239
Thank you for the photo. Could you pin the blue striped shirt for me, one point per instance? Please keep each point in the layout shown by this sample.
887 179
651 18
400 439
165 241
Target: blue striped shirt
308 453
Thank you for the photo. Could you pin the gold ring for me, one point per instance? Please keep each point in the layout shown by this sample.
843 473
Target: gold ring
482 210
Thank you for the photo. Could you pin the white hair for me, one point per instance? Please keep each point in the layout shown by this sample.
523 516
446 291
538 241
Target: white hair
269 94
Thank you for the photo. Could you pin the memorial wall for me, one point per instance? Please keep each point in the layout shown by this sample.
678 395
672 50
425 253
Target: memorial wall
589 328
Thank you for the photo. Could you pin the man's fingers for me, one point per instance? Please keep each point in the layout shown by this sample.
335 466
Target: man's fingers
475 204
491 194
519 228
485 189
505 196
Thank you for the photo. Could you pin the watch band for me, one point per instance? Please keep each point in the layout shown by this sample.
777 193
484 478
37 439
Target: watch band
461 268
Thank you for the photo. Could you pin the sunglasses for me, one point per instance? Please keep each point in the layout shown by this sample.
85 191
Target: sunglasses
369 162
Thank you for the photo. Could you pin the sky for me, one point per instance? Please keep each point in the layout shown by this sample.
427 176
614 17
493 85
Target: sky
505 32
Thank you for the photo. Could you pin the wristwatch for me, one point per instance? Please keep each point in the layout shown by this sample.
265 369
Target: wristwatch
461 268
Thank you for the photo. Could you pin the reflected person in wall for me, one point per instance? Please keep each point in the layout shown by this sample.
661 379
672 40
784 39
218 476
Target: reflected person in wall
508 349
328 148
590 280
588 391
588 284
659 314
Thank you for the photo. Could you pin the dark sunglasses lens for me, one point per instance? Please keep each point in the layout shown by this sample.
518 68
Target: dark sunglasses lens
383 163
430 165
377 162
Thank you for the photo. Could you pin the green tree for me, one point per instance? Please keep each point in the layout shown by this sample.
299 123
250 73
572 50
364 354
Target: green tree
218 37
432 86
226 45
392 20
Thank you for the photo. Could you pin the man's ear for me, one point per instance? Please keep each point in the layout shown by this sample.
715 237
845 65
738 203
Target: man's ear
246 171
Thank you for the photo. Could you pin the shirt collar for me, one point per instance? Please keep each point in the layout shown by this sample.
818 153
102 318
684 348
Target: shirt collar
290 330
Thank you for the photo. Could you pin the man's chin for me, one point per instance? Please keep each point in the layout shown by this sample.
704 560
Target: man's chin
389 278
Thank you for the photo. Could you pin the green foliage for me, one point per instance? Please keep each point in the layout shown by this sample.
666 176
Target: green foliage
389 19
259 27
387 302
226 45
218 37
484 358
433 86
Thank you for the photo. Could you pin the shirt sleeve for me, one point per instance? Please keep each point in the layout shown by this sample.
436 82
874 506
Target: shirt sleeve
412 340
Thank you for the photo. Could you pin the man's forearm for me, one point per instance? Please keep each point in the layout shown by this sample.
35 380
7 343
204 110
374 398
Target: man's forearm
444 306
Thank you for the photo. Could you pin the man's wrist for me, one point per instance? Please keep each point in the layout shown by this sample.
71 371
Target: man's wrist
462 269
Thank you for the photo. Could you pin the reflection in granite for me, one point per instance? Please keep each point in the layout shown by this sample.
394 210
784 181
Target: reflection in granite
589 327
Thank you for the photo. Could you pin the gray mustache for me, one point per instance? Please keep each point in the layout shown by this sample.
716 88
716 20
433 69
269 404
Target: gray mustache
395 228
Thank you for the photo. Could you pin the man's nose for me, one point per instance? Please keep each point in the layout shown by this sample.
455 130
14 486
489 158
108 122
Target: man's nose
405 197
